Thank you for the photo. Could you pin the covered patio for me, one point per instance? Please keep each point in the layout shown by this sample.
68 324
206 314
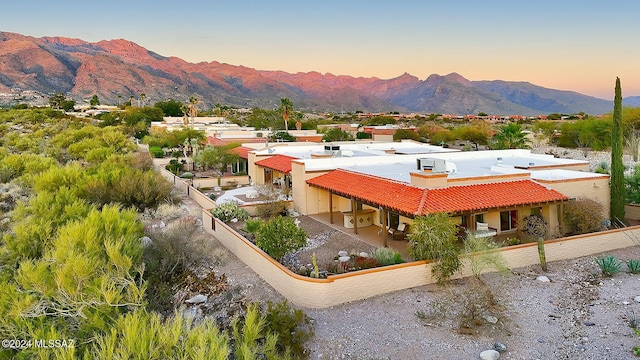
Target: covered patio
372 235
489 209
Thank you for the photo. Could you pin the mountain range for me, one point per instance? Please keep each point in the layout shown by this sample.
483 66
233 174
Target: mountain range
116 70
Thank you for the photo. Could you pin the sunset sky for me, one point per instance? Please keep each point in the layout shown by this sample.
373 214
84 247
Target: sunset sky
568 45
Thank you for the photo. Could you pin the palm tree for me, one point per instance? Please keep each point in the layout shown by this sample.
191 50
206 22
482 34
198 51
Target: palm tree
286 108
143 97
192 108
510 137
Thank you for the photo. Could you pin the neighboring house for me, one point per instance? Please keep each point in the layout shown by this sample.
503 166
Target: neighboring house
488 192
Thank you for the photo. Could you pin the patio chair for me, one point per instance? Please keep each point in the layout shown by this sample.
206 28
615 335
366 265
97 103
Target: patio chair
401 232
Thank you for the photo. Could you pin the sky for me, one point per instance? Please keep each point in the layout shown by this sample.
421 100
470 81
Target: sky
576 45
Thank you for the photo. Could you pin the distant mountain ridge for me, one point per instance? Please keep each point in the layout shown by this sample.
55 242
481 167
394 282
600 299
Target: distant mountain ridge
115 70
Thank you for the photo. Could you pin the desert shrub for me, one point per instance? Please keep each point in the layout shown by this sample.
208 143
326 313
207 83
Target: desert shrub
433 237
168 212
253 225
534 227
386 256
609 265
583 216
633 266
466 307
174 166
271 209
482 255
229 211
293 327
361 263
280 236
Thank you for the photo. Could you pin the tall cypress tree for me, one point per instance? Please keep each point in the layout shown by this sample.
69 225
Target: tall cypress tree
617 167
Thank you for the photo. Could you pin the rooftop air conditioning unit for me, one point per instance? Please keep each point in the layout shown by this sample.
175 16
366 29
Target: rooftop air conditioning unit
432 165
333 150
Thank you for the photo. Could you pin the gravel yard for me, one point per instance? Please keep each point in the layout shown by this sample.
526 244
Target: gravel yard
578 314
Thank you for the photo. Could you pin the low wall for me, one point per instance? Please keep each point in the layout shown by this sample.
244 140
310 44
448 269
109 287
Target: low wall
342 288
632 211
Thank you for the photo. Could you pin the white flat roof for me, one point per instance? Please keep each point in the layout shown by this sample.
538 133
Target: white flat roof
353 149
459 164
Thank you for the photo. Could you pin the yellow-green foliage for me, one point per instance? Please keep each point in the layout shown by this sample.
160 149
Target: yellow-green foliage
84 279
483 255
143 335
433 237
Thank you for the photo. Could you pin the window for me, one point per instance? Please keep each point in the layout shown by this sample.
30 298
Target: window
479 218
240 166
508 220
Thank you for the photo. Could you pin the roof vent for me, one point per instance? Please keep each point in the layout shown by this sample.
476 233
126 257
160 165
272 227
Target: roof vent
532 164
500 158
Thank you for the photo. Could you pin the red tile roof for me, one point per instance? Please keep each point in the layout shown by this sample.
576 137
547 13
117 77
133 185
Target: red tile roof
281 163
242 151
409 199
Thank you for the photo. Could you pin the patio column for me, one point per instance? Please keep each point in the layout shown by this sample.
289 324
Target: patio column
560 218
355 216
385 231
330 207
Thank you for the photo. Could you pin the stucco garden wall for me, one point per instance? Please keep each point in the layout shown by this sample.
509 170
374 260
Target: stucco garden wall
338 289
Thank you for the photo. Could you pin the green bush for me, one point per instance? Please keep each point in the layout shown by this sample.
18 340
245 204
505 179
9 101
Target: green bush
280 236
228 211
292 326
253 225
633 266
609 265
583 216
386 256
434 237
156 151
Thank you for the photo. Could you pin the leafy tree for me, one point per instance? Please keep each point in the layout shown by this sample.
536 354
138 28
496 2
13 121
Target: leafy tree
264 119
406 134
380 120
337 134
279 236
56 100
547 129
94 100
510 136
67 105
281 136
477 133
218 158
617 167
433 237
170 107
